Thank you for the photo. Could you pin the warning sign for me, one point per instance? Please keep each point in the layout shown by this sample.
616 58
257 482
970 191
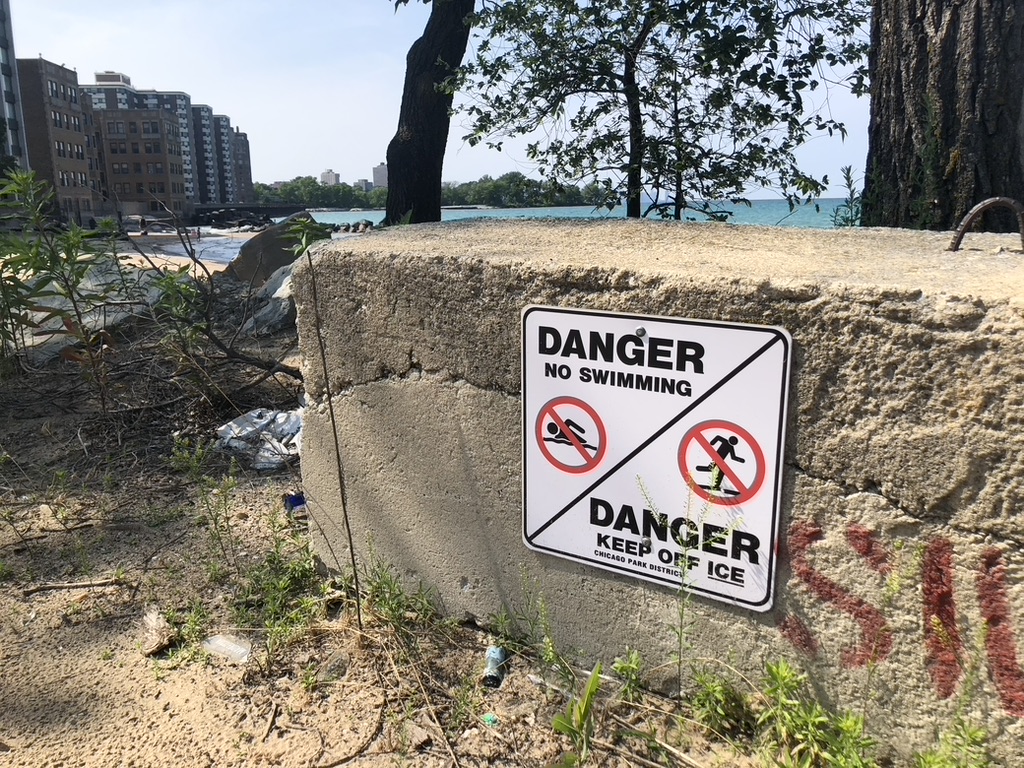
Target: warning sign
652 447
571 435
721 462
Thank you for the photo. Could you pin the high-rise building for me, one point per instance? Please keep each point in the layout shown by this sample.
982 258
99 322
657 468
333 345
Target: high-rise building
207 175
59 129
224 141
243 169
380 176
114 90
329 178
10 91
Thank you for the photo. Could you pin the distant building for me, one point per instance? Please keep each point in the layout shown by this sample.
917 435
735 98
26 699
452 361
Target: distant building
207 168
224 140
364 185
380 176
329 178
141 159
114 90
246 193
59 128
10 90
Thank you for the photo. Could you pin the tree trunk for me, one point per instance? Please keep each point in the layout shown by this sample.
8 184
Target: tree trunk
947 112
416 153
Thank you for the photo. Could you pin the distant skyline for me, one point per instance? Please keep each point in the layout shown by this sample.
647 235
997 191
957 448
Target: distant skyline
316 84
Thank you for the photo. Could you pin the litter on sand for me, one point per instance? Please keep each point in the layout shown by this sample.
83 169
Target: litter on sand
267 439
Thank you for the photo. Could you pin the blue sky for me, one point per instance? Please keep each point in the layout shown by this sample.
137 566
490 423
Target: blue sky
315 84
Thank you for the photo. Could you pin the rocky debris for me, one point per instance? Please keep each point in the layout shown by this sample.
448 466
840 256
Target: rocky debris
266 252
274 307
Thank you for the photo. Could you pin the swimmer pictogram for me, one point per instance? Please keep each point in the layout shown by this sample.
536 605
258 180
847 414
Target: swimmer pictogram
571 435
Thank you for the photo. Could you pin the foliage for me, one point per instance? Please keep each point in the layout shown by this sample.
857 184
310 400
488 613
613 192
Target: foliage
578 720
55 279
628 668
720 707
797 732
510 190
847 213
688 101
963 746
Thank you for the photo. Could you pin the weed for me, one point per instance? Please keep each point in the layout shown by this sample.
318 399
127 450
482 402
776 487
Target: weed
6 572
191 458
720 707
627 668
310 677
797 732
214 503
578 720
847 213
281 597
465 703
388 598
962 746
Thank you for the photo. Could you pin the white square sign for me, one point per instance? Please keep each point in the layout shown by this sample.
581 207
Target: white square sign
652 446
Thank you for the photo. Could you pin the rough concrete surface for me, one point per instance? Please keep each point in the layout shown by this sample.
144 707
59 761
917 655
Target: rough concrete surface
901 586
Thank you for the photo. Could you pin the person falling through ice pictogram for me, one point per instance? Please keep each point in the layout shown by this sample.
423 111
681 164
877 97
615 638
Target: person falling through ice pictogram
559 436
725 447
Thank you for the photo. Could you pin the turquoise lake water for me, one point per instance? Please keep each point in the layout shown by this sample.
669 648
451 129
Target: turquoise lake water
761 212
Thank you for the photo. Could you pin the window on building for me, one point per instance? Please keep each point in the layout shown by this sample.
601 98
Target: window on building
149 168
53 88
133 127
63 91
159 167
160 188
154 205
55 116
140 187
113 147
137 167
152 187
73 94
76 124
79 152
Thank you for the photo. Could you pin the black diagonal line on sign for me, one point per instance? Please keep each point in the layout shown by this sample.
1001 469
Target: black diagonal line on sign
675 420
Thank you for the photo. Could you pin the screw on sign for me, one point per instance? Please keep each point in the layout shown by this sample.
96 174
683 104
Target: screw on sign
571 435
721 462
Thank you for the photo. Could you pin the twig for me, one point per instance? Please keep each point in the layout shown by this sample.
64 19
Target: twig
71 585
688 761
270 722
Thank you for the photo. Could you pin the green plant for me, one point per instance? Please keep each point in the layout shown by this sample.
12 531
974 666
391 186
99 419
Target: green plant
578 720
962 746
627 668
797 732
191 458
388 598
719 706
847 213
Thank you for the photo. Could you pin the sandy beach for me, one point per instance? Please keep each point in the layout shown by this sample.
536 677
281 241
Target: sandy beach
215 250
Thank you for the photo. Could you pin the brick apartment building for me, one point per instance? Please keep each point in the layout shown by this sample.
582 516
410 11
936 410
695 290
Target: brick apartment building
141 154
60 134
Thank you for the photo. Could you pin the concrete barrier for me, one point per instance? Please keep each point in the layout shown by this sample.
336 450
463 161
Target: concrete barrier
899 581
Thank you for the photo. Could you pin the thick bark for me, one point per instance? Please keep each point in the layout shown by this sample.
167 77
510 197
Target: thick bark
947 111
416 153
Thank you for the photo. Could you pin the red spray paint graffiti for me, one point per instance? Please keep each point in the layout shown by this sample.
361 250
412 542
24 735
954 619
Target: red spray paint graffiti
1000 642
876 637
943 644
